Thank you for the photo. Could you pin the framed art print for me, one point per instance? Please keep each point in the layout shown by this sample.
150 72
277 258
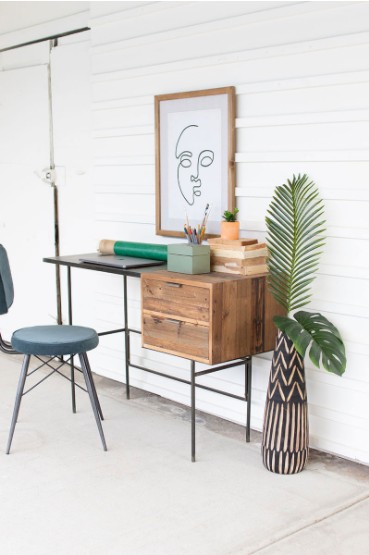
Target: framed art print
195 150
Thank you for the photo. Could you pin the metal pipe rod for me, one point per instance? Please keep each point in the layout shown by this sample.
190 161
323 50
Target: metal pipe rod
70 320
248 399
187 382
223 367
51 37
101 333
157 373
193 412
126 335
52 44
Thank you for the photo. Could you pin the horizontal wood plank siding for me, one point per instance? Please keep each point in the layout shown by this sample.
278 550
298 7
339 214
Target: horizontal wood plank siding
301 72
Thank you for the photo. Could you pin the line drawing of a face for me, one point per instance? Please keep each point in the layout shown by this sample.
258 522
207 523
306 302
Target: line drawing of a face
192 163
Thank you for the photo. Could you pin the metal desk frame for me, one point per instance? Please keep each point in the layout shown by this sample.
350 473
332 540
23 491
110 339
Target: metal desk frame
73 261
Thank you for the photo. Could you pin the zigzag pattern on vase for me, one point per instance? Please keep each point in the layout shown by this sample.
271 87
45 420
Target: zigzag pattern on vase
287 376
285 444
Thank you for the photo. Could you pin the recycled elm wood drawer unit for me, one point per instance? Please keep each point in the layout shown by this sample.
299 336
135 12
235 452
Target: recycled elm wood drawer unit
210 318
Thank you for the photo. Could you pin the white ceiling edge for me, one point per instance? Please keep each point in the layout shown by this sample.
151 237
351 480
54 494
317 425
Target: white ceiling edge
22 22
15 16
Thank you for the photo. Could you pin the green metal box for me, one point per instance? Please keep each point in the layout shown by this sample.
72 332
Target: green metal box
189 259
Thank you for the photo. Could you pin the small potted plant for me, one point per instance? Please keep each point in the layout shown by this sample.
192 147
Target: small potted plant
230 228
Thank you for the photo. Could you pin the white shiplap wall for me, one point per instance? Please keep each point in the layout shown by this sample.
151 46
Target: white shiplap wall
301 72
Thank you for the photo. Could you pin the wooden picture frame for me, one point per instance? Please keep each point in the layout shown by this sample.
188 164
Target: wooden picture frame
194 159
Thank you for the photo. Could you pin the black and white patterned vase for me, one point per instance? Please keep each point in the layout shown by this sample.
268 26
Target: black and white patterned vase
285 443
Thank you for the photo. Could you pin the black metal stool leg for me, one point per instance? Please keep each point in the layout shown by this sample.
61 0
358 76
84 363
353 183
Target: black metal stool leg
88 368
90 388
18 398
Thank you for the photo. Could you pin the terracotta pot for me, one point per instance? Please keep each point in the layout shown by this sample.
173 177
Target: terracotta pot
285 443
230 230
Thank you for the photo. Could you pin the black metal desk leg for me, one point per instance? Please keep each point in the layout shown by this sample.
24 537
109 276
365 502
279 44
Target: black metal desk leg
248 369
193 413
70 320
126 336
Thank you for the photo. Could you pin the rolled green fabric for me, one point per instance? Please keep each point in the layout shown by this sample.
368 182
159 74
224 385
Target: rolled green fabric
141 250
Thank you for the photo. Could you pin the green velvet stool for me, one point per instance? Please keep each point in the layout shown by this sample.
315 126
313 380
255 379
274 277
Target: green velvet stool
52 342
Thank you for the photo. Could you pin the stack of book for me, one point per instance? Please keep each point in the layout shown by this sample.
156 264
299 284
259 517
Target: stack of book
240 256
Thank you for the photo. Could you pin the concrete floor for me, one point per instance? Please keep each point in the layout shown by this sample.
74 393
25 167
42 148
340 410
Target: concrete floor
62 494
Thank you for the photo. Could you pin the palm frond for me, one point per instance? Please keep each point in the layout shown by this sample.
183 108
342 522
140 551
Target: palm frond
295 236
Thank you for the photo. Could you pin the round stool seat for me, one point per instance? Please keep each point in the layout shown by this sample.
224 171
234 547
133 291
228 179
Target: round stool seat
54 340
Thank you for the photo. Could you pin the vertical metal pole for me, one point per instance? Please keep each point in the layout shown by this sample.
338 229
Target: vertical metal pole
193 413
52 44
126 336
70 320
69 278
248 369
57 253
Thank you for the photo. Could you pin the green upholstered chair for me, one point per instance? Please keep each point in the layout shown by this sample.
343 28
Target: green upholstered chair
46 342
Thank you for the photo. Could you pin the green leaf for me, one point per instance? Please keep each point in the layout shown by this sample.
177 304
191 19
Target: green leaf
326 346
230 216
295 236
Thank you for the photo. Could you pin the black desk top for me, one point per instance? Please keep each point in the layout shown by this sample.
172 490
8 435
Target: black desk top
74 261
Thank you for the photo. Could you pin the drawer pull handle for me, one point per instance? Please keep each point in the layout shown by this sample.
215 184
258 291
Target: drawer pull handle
172 321
172 284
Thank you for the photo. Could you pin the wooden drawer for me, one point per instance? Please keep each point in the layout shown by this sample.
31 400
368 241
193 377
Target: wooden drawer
179 300
211 318
175 336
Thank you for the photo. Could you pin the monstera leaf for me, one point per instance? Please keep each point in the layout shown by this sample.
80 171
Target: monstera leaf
324 339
